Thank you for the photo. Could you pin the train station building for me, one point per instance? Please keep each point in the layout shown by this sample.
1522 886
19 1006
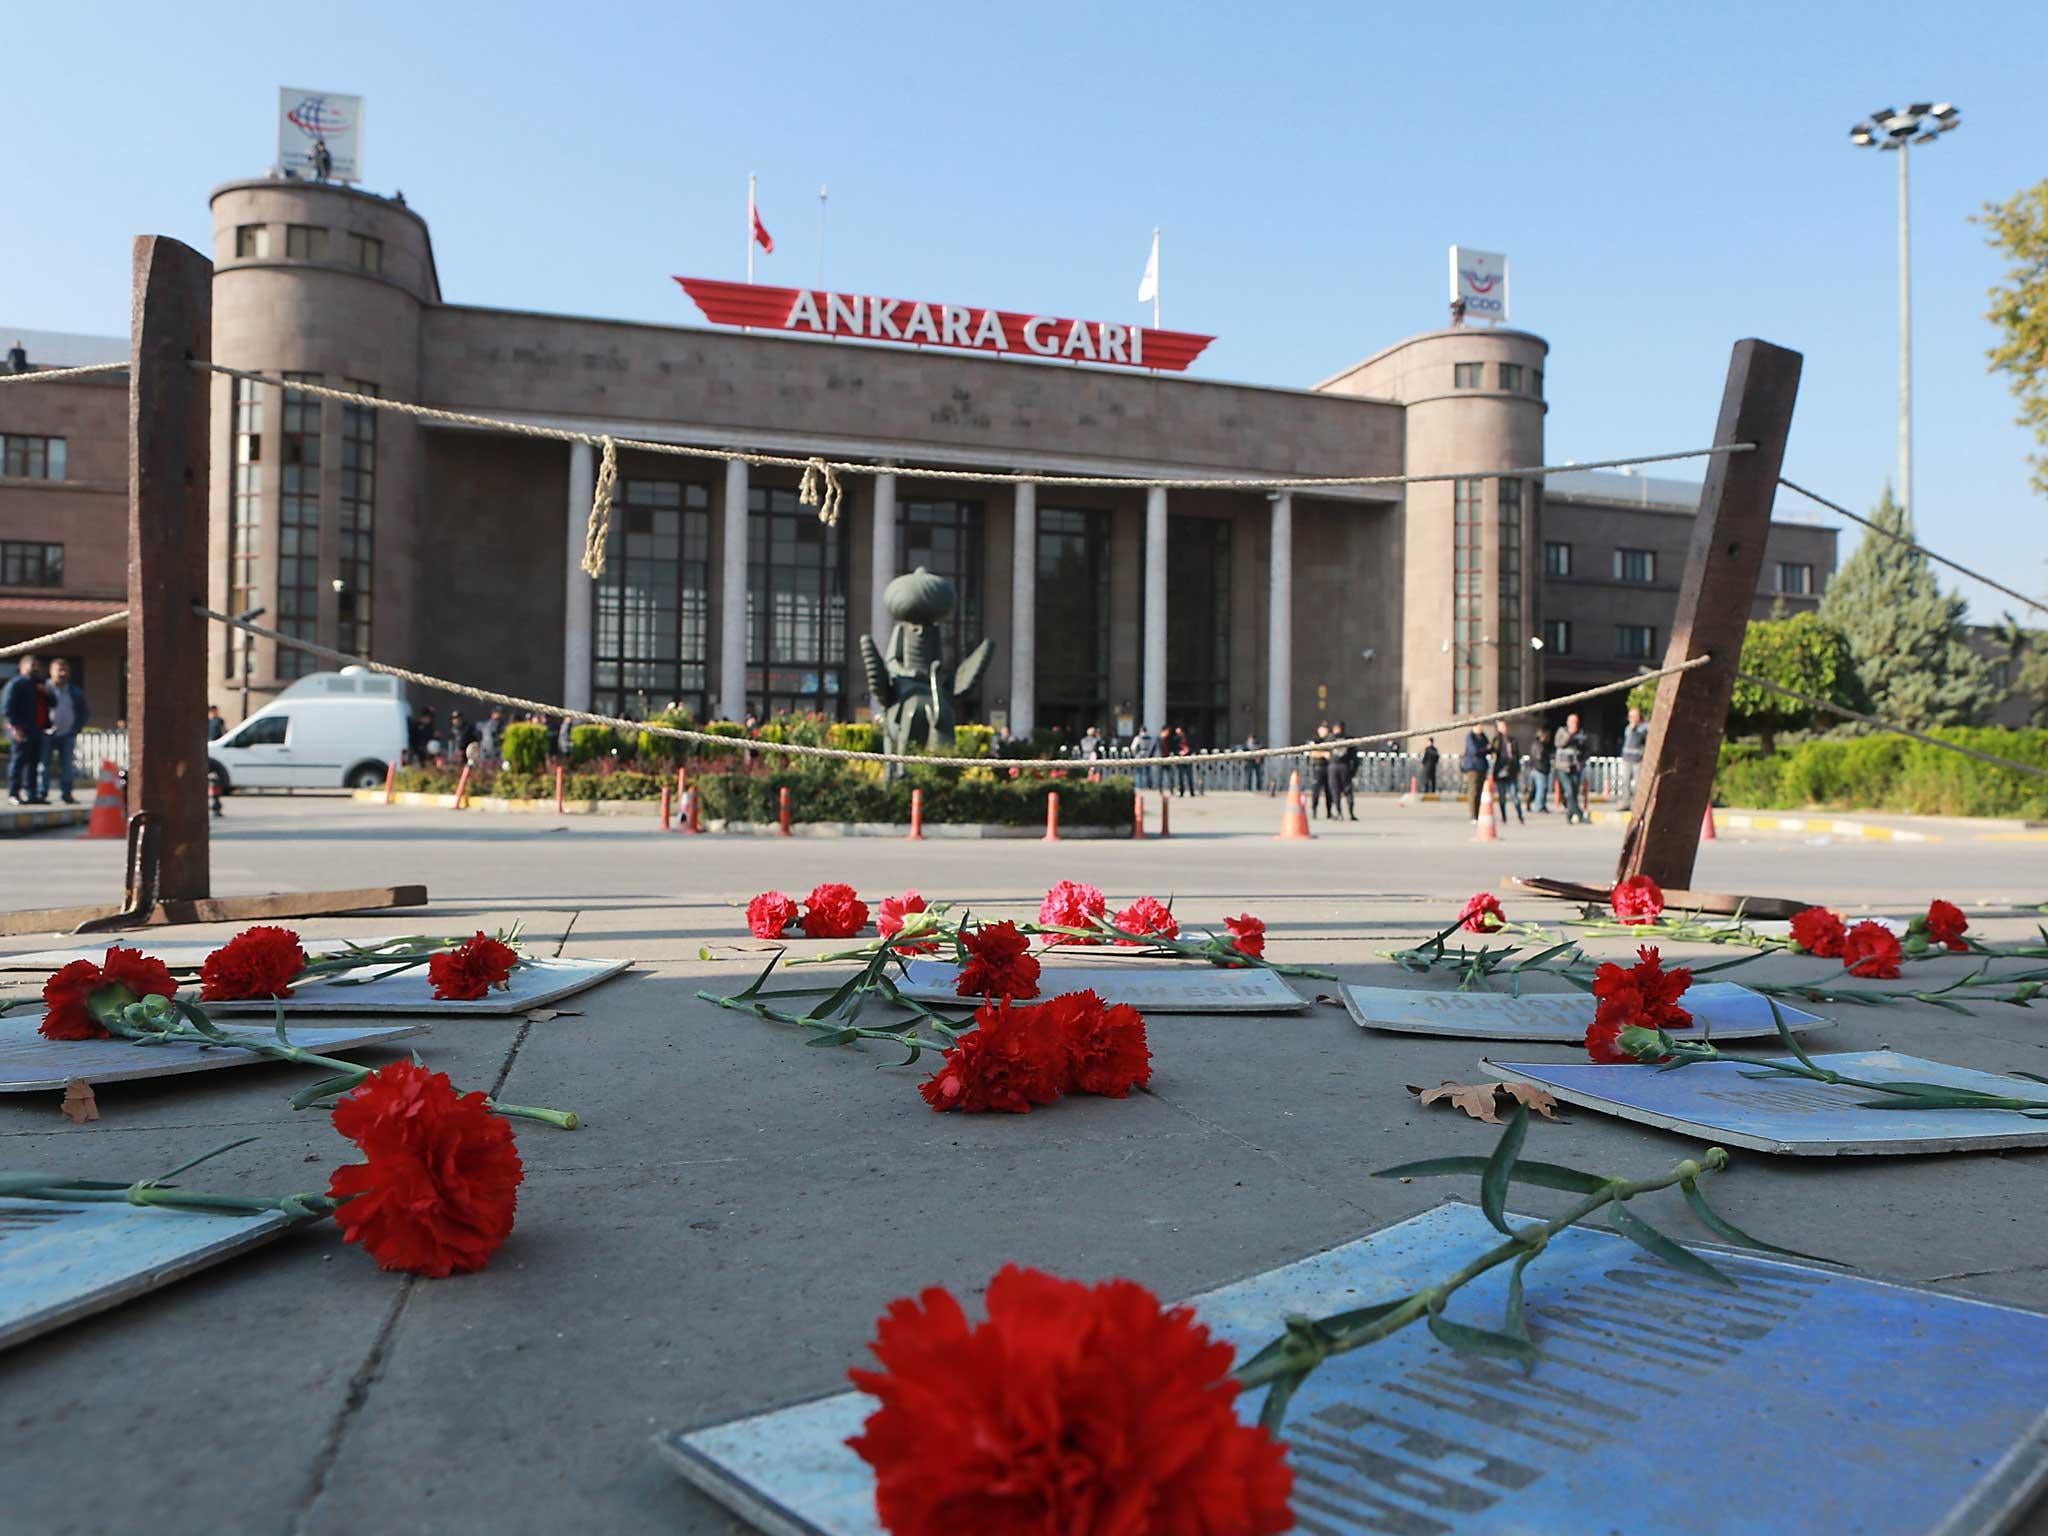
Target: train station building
456 550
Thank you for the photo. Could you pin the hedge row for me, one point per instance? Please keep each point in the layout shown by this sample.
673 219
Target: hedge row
1890 773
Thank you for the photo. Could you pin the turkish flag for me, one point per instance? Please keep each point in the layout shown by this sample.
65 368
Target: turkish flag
761 236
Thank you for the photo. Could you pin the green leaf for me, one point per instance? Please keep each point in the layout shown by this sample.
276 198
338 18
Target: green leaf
1715 1222
1273 1411
1341 1323
839 995
1648 1238
1962 1099
761 980
1517 1323
1500 1168
1546 1175
1481 1341
834 1037
1785 1035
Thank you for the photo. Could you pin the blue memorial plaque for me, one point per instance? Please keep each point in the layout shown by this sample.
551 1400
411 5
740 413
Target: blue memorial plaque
60 1262
31 1064
1721 1010
1663 1404
1731 1103
1147 985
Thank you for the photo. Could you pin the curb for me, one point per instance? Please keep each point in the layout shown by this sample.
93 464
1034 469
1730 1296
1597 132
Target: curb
19 821
494 806
1801 826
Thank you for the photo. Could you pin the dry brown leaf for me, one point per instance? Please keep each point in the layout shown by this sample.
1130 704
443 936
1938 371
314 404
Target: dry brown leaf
79 1105
542 1015
1484 1101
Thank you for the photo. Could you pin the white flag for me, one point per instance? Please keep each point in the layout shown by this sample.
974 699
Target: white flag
1148 285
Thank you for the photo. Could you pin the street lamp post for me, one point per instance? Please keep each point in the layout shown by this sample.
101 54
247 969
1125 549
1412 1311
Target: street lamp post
1921 123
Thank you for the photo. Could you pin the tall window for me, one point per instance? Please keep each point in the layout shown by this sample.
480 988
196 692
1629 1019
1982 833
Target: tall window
1510 632
298 531
365 252
1468 375
1467 593
1635 565
1557 558
308 242
1198 629
245 524
1557 636
796 607
1536 382
1795 578
31 564
32 458
945 538
654 601
1511 377
252 241
357 514
1635 642
1073 619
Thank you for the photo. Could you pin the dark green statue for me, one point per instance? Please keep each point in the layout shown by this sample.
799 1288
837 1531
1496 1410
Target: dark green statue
912 682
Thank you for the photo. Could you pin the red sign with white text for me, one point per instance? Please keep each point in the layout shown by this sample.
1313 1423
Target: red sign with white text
812 312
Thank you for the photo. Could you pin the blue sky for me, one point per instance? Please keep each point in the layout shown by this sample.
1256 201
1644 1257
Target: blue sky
1665 177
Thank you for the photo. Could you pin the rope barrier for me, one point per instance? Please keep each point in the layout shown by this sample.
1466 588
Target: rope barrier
27 647
52 375
1900 538
848 754
599 530
1893 726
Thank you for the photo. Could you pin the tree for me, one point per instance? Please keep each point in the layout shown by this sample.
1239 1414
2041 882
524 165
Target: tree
1803 652
1904 633
2018 231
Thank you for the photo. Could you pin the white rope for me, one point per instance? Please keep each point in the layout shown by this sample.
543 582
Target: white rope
1900 538
51 375
41 642
1892 726
599 531
847 754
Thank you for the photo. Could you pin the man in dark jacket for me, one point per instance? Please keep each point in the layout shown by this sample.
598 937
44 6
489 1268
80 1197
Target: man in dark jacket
27 710
68 716
1542 749
1343 775
1430 758
1476 762
1570 766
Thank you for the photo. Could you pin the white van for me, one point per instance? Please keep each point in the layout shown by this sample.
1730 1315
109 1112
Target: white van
328 730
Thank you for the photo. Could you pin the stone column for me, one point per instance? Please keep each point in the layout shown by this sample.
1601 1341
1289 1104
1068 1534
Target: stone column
580 592
1155 610
732 629
1024 612
1280 624
882 549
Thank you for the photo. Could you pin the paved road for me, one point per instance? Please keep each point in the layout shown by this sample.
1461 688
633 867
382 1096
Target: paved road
739 1208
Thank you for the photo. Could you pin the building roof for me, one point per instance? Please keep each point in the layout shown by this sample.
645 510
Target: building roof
1652 492
64 349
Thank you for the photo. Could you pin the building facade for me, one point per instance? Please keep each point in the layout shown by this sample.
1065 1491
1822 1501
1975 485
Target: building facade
456 550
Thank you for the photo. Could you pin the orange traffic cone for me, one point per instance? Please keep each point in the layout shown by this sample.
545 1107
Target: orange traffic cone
1487 828
1707 833
109 815
1294 820
1414 790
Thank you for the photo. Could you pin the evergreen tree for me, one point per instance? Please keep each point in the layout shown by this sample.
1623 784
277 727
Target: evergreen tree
1904 633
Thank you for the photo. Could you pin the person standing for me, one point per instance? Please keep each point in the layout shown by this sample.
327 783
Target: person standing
490 738
1343 774
1476 762
1635 741
1507 768
1430 758
461 737
1184 770
216 727
1319 774
25 707
68 716
1541 749
1569 764
1254 767
1142 745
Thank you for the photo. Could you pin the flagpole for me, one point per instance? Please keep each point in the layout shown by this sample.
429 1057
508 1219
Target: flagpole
1155 281
750 226
822 192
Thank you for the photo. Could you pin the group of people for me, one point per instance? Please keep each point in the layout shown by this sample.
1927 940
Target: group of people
44 716
1332 774
1172 741
466 740
1554 757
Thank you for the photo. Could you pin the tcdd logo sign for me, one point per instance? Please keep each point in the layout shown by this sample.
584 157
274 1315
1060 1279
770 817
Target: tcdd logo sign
1480 280
309 118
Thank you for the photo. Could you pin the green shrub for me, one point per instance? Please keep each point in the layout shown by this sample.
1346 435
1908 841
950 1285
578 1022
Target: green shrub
974 740
1890 773
667 749
722 728
855 736
526 748
587 743
949 796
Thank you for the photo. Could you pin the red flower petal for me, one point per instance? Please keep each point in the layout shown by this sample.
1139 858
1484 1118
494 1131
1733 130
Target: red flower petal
770 914
257 962
834 912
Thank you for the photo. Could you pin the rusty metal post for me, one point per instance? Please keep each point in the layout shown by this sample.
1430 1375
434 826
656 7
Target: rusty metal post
1714 599
168 455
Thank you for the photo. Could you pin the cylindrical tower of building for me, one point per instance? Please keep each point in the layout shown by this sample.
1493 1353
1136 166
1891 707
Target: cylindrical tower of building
311 515
1474 399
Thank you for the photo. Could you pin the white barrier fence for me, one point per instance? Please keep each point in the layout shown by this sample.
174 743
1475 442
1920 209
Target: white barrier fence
1378 773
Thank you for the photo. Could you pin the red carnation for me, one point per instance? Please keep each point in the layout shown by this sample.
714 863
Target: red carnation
1643 994
1603 1041
1071 905
1871 950
889 922
1012 1059
1146 915
834 912
1247 935
999 963
466 972
437 1194
1945 925
1106 1049
770 914
127 973
1819 932
1082 1410
1638 899
257 962
1482 914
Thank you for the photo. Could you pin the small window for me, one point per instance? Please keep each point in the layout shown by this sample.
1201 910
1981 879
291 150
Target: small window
32 458
1635 642
1557 636
252 242
1536 382
1511 377
1557 559
1469 375
1795 578
366 253
2001 676
29 564
305 242
263 731
1635 565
